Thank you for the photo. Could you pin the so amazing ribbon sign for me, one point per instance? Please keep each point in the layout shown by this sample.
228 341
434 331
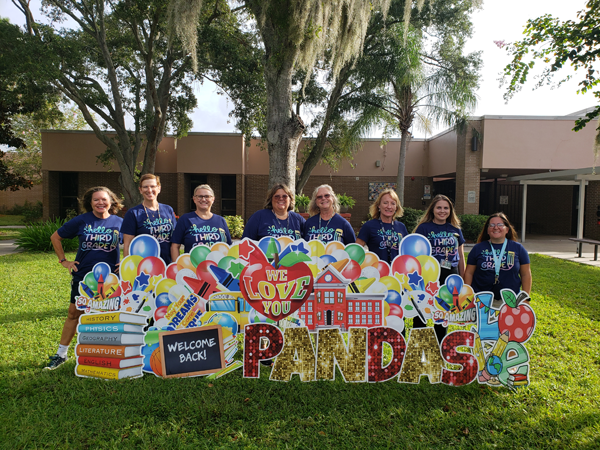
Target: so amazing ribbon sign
293 300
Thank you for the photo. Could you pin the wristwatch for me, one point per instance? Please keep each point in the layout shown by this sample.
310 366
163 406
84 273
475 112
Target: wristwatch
62 260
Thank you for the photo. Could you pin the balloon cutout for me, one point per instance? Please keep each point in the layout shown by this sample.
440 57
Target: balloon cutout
144 245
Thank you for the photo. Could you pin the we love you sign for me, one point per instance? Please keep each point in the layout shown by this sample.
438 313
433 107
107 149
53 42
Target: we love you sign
309 308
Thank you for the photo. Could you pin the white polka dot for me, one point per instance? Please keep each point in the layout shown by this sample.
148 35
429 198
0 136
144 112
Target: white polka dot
509 320
518 332
526 318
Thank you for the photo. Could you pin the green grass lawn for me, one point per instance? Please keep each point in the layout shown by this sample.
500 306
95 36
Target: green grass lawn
9 233
38 408
8 220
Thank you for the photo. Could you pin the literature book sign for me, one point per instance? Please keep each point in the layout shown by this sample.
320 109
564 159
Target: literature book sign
191 352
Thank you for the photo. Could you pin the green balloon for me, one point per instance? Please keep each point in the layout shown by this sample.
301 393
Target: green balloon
445 295
91 282
225 261
199 254
356 252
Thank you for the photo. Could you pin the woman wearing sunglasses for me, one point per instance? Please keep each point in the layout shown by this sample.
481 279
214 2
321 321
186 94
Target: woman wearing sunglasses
277 218
200 226
325 224
498 261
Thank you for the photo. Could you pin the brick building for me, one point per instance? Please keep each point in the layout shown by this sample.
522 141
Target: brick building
477 168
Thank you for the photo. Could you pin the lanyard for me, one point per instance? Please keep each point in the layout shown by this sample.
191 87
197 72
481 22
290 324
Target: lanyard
388 242
148 215
498 260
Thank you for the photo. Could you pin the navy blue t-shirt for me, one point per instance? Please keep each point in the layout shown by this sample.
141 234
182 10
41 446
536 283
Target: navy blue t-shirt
264 223
383 238
160 224
443 240
485 273
98 241
336 229
191 230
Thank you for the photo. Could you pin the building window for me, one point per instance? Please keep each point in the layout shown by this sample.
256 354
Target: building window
309 306
349 319
340 297
364 306
370 307
364 319
310 320
319 296
376 320
319 315
370 319
302 309
377 307
350 307
329 297
340 316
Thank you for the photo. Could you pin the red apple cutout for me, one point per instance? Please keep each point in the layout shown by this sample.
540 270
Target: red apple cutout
276 293
519 322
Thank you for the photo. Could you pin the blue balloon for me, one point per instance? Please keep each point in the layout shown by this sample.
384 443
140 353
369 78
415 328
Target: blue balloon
394 297
147 353
415 245
454 282
144 245
101 269
163 300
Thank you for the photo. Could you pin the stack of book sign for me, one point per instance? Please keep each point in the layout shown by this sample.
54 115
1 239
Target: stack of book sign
109 345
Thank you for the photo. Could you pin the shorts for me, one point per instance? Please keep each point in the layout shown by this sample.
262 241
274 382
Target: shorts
74 289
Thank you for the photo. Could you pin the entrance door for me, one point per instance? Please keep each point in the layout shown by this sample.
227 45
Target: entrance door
329 317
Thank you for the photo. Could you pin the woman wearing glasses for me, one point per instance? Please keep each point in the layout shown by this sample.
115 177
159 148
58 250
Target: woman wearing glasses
498 261
277 218
150 217
325 224
382 234
200 226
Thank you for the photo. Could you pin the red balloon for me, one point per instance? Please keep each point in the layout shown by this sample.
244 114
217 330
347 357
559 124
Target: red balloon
384 268
152 265
172 271
396 310
160 312
406 264
202 271
352 270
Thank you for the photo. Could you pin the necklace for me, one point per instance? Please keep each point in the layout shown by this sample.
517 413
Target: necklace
148 215
280 225
327 224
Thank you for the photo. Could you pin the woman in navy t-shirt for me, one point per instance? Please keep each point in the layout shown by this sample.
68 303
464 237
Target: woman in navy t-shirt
98 230
200 226
441 226
277 218
325 224
382 234
498 261
150 217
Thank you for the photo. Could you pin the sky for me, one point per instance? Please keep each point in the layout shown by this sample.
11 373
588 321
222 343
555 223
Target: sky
496 21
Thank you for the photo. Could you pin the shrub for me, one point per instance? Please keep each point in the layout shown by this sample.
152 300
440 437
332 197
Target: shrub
36 237
31 212
471 225
346 200
301 202
235 225
411 217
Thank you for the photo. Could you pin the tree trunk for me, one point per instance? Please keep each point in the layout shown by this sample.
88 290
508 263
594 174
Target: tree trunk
404 139
284 127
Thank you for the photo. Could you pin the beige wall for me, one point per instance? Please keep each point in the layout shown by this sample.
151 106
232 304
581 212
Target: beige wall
210 153
527 143
442 154
8 199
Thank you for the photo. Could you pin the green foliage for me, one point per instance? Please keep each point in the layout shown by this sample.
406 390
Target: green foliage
411 217
9 233
346 200
36 237
8 220
558 410
235 225
31 212
471 226
301 202
573 43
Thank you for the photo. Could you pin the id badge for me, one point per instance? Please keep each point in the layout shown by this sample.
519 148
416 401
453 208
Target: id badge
446 264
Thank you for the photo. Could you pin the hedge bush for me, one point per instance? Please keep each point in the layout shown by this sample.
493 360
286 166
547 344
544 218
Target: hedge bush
235 225
471 225
36 237
411 217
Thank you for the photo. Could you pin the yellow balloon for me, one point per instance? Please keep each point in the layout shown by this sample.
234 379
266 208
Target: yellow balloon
430 269
220 247
316 248
111 280
371 260
184 262
333 246
391 283
128 268
403 280
285 241
314 269
386 309
164 286
234 251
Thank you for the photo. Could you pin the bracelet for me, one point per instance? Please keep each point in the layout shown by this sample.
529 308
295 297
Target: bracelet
62 260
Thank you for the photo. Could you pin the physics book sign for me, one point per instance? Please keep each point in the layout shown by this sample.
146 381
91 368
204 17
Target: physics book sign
293 302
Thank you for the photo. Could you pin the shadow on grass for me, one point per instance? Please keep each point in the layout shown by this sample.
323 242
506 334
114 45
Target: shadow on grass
33 316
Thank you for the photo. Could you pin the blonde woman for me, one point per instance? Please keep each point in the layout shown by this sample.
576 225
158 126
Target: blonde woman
382 234
325 224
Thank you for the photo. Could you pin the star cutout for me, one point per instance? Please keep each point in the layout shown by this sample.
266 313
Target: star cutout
245 248
415 278
154 282
432 287
142 280
125 287
235 269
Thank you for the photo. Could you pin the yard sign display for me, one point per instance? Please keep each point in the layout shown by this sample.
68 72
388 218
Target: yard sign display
294 300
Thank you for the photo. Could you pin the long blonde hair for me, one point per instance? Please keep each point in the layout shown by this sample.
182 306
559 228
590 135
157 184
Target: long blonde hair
313 209
428 216
374 209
